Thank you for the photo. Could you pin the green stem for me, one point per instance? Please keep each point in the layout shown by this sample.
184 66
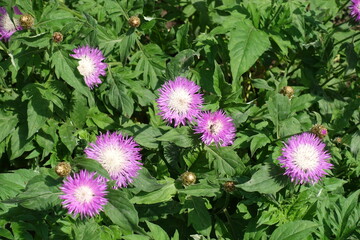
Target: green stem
337 11
75 13
343 40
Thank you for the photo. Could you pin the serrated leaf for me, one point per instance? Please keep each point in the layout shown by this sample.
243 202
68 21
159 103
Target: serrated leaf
296 230
246 45
119 98
225 160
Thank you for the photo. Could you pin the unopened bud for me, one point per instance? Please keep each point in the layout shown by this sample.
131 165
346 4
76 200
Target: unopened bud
229 186
63 169
134 21
338 140
26 21
287 91
57 37
188 178
319 130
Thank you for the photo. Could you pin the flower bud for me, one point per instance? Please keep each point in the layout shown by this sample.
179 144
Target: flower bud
338 140
134 21
319 130
63 169
229 186
26 21
188 178
287 91
57 37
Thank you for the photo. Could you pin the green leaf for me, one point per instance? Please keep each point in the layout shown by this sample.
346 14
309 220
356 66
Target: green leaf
279 109
302 102
146 136
180 63
6 233
7 124
119 98
163 194
202 189
42 192
198 215
87 230
258 141
67 136
266 180
246 45
182 37
65 69
225 159
39 109
179 136
13 183
151 62
92 166
121 211
296 230
145 182
157 232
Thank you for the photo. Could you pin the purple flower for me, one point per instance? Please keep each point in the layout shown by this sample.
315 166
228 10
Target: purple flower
118 155
216 128
90 65
84 194
304 158
7 26
355 9
179 101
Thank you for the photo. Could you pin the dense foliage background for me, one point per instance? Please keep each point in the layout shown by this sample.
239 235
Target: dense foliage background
241 53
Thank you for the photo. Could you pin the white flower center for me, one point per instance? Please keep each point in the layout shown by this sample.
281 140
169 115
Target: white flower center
7 24
84 194
112 159
306 157
179 100
86 66
215 127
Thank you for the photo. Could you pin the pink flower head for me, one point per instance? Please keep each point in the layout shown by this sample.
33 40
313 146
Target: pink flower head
304 158
7 26
216 128
119 155
179 101
84 194
90 64
355 9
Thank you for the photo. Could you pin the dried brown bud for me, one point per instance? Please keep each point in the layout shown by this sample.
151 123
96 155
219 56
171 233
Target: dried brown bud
338 140
229 186
26 21
57 37
63 169
319 130
287 91
188 178
134 21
